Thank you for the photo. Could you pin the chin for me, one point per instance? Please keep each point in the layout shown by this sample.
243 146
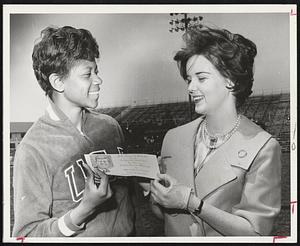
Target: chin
200 110
94 106
94 103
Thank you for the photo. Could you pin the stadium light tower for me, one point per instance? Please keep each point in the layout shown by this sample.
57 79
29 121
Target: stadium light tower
181 22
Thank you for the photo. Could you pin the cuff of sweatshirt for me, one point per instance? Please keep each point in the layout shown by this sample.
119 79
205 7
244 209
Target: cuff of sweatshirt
67 227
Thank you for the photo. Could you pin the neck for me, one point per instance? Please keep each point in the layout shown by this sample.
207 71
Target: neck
74 113
220 123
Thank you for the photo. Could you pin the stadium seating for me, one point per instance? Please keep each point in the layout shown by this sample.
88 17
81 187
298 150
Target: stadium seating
271 112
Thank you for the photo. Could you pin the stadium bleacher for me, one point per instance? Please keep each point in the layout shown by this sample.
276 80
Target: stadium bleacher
271 112
144 128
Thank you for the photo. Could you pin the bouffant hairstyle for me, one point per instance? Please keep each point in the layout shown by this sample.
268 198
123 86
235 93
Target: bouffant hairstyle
58 50
231 54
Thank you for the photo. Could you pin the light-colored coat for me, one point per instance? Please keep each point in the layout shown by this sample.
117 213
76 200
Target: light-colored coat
242 177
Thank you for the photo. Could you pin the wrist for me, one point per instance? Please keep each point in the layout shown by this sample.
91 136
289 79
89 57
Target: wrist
67 227
81 213
186 197
194 203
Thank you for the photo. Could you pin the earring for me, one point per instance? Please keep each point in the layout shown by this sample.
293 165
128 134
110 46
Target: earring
230 83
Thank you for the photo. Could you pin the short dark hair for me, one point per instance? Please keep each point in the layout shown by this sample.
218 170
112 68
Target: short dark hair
231 54
57 51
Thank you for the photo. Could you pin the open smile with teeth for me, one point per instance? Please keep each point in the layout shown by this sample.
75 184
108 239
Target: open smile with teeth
94 92
197 98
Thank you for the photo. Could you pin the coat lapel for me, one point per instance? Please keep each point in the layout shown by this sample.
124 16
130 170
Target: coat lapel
240 151
242 155
215 172
179 153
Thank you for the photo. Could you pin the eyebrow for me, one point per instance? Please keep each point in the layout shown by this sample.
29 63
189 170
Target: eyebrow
90 67
198 73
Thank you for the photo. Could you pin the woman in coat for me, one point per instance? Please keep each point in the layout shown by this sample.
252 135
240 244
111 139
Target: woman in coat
223 172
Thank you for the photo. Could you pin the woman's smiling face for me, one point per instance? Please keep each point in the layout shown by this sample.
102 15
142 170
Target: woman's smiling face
206 85
82 85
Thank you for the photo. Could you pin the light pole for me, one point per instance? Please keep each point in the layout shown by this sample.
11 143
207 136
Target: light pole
181 22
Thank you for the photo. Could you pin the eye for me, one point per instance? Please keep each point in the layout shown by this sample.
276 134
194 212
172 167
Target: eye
87 74
201 79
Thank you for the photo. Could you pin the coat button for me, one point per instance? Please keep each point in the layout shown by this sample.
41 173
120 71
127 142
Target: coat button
242 153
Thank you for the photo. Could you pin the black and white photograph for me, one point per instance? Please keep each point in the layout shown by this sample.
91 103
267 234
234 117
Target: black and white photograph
199 101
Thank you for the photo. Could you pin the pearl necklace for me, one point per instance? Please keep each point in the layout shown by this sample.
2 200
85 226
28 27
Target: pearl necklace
216 140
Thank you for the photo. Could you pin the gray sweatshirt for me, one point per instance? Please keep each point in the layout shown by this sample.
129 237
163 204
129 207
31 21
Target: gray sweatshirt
48 180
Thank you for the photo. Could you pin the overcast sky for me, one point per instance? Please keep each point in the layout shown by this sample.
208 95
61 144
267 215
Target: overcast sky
137 53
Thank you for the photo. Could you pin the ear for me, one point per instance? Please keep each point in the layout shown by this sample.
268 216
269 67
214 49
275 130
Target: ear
56 82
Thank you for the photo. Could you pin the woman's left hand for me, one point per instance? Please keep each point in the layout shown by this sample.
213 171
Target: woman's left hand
173 195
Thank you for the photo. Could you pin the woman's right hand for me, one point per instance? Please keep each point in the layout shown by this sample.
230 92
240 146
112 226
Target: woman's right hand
95 194
169 193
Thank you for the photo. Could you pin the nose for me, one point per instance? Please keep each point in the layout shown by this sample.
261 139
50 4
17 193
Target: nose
192 87
97 80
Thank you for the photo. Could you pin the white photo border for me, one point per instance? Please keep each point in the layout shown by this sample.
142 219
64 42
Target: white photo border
291 9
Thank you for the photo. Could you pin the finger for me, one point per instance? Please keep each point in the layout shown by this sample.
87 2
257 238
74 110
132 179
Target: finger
104 184
97 181
161 164
97 177
167 179
100 177
109 191
159 160
100 174
156 186
87 170
154 199
162 180
162 176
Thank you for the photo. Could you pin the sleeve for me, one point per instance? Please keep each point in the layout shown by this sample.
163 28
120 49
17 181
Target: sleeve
261 199
32 196
119 131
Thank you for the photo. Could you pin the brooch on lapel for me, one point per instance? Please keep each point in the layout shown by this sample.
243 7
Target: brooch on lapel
242 153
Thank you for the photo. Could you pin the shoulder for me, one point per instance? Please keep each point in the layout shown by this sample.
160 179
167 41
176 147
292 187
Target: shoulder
96 116
249 143
103 119
187 128
249 128
34 133
27 156
103 125
254 134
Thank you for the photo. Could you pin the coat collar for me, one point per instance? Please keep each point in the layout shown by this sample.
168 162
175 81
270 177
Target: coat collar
240 150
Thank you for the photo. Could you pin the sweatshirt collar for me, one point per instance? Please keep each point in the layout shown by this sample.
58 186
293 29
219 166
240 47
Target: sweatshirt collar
54 112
